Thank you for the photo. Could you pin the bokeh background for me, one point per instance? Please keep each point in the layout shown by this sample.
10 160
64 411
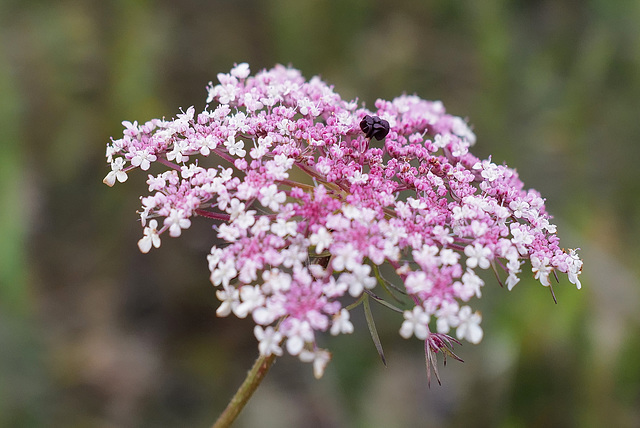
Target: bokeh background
95 334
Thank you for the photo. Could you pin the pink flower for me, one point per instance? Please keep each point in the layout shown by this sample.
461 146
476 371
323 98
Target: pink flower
308 208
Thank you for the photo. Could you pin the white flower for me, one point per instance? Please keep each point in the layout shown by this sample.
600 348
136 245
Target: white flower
477 256
575 267
190 171
228 232
521 238
226 174
345 258
252 101
264 315
235 148
176 153
441 141
512 280
341 323
459 148
321 239
358 280
207 144
417 204
426 256
461 129
241 71
239 122
117 173
551 228
226 93
358 178
229 298
338 222
269 340
283 228
479 228
447 316
295 254
258 151
271 198
520 208
235 208
276 281
415 322
150 237
245 220
278 167
320 358
472 284
158 182
306 106
490 171
469 326
260 226
214 257
449 257
418 282
403 209
541 269
143 159
224 273
513 267
176 222
251 297
248 271
298 333
442 235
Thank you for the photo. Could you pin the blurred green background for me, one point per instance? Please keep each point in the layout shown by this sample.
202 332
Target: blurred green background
95 334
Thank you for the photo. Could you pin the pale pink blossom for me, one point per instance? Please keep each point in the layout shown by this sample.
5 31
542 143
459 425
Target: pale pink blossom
310 223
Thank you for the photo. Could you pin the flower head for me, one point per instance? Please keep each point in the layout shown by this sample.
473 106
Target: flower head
298 251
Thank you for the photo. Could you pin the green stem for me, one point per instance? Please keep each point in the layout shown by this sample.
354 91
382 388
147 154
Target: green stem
246 390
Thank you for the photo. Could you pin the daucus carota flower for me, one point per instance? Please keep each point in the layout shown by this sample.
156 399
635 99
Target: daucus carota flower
308 208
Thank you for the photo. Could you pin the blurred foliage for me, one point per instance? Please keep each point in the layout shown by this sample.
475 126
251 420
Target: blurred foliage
94 334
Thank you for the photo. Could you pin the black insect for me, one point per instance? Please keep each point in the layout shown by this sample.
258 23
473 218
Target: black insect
374 127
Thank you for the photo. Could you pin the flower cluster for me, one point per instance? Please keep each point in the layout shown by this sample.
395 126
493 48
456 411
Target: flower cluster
307 207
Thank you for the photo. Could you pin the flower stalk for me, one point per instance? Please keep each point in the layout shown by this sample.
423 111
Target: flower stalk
251 382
